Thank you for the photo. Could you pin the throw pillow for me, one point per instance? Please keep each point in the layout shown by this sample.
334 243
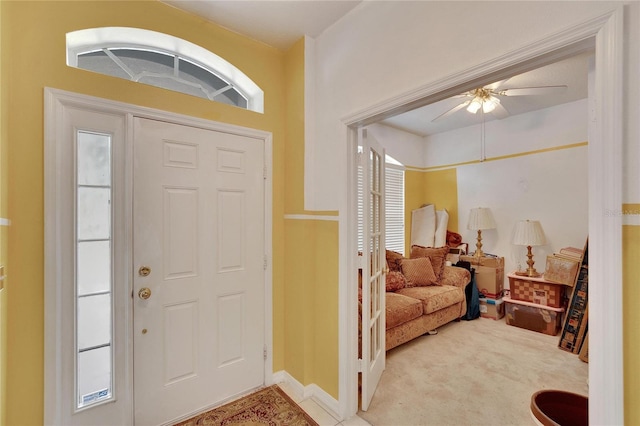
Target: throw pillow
393 260
437 255
395 281
419 272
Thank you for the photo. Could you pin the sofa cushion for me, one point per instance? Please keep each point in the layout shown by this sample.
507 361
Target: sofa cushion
437 256
434 297
393 260
418 272
455 276
395 281
401 309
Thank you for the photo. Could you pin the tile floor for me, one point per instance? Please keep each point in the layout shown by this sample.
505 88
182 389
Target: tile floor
319 414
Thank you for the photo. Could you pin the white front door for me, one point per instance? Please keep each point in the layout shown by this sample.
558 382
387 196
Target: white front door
374 267
198 260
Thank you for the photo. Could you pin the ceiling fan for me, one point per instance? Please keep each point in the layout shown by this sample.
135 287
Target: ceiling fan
487 98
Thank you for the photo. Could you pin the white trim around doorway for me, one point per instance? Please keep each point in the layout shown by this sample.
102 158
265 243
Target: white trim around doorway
603 33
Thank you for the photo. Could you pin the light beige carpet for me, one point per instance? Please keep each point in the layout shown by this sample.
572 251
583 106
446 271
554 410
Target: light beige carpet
267 407
480 372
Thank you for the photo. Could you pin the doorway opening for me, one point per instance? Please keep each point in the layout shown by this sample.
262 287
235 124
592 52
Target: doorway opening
603 35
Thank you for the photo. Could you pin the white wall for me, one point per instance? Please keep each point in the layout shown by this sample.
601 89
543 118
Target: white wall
403 146
550 187
560 125
547 186
383 49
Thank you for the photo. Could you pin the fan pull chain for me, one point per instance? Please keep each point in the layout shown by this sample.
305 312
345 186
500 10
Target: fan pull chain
482 150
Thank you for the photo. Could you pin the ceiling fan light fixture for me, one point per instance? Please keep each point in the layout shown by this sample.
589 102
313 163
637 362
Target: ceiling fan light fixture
475 105
490 104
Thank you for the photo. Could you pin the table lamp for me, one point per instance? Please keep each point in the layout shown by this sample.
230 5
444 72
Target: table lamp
480 218
529 233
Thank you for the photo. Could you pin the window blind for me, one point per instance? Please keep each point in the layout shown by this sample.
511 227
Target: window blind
394 208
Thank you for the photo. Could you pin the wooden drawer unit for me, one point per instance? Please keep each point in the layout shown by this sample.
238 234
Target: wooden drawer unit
536 290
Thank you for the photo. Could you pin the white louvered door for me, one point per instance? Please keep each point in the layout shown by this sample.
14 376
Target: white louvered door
198 201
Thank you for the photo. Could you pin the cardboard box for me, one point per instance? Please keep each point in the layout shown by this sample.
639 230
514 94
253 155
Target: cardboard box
536 290
491 308
490 281
490 261
540 318
489 274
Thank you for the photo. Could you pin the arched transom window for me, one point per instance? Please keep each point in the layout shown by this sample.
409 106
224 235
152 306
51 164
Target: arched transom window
164 61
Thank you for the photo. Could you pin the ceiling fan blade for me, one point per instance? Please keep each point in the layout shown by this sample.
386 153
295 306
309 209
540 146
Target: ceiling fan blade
452 110
500 112
525 91
495 86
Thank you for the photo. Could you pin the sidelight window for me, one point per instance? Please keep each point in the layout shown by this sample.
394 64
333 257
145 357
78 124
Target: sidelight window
93 277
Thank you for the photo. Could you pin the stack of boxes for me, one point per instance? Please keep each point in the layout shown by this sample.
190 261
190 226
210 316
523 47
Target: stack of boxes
535 303
489 274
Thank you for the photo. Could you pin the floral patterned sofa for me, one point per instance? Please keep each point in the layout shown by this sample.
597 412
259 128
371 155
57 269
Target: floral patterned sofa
423 293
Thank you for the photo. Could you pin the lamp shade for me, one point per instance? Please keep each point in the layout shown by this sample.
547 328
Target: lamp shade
529 233
481 218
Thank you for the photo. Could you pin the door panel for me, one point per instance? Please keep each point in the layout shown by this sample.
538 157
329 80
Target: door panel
374 268
198 201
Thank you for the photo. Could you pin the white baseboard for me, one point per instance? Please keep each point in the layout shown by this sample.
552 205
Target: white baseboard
312 391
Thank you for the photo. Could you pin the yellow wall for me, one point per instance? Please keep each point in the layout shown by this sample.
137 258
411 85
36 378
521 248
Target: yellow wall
33 39
310 307
441 189
311 314
631 316
438 187
4 232
294 160
34 35
325 296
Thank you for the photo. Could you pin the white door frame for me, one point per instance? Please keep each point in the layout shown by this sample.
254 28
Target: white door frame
55 103
604 33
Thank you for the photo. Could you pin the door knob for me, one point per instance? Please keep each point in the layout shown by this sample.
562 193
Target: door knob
144 293
144 271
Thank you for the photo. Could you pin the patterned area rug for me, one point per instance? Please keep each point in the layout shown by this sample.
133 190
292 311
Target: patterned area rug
270 406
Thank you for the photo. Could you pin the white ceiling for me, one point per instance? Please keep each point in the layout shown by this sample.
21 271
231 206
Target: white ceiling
571 72
276 23
281 23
